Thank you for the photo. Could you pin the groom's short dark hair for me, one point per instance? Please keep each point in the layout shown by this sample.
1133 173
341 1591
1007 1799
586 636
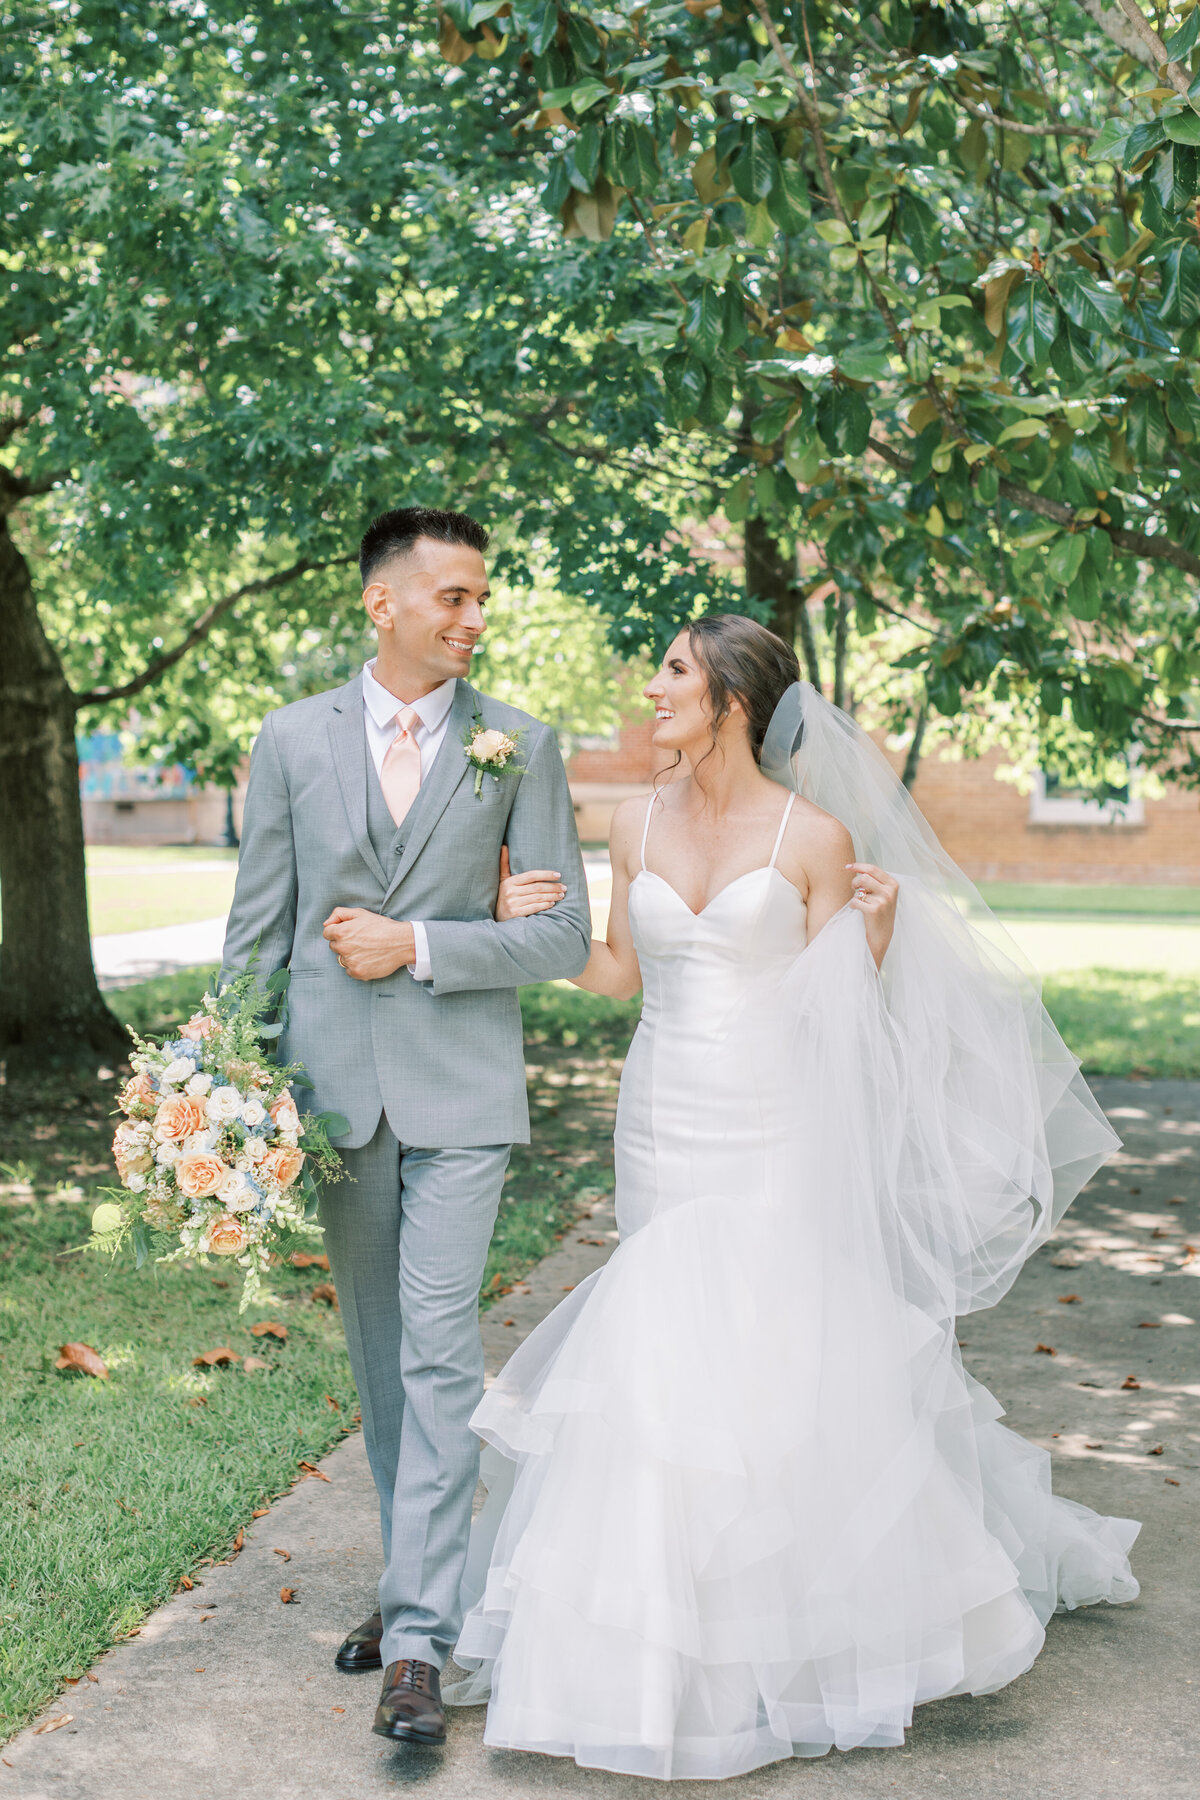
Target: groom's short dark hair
394 534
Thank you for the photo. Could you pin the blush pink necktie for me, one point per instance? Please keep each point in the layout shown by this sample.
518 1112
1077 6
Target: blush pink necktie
400 776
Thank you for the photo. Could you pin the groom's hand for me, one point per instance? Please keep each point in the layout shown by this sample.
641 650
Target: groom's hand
367 945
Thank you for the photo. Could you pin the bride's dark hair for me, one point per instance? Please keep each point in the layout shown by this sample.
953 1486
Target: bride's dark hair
745 662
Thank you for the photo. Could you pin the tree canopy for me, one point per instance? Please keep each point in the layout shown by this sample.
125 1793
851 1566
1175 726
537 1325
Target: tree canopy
922 289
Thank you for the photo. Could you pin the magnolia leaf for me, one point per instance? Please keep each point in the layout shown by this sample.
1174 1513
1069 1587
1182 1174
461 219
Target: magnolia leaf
756 165
704 323
1110 141
1184 39
833 231
844 421
215 1359
1032 321
995 299
705 178
1064 558
1184 127
1024 428
788 202
83 1359
269 1328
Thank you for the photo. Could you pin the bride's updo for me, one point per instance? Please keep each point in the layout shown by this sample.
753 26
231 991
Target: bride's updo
745 662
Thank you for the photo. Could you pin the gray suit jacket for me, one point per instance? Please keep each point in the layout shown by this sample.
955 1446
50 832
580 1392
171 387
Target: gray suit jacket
444 1059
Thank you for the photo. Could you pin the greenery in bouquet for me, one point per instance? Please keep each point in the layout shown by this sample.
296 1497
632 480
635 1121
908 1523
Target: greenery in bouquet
209 1151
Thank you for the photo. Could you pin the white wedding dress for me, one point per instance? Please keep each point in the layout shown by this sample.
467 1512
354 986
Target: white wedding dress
744 1501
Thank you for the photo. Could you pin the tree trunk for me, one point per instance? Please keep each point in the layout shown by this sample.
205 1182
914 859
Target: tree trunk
769 578
841 631
912 761
51 1010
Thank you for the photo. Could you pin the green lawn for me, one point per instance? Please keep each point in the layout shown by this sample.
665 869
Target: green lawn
1065 898
128 900
112 1493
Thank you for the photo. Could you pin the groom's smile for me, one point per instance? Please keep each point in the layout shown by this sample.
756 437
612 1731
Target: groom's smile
427 608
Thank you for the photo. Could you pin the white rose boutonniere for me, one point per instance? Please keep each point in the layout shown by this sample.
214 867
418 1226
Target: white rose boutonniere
490 751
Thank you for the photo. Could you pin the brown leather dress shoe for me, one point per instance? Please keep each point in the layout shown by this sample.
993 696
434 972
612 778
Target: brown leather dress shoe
361 1648
411 1704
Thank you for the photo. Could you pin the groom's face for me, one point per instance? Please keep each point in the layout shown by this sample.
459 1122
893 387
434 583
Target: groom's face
428 609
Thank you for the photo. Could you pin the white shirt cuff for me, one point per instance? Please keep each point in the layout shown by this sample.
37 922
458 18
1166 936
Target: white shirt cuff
422 969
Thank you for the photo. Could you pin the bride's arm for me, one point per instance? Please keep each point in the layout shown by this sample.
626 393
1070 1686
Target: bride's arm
612 967
836 880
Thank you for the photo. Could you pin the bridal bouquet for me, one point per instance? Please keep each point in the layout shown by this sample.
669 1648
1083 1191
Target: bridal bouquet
209 1152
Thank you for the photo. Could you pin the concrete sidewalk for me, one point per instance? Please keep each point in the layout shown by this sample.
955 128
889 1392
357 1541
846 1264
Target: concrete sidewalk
123 957
226 1692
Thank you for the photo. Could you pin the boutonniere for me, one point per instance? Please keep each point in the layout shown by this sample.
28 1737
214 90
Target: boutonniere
490 752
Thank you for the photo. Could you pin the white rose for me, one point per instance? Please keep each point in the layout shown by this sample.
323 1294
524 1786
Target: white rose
201 1140
180 1070
288 1137
254 1149
235 1192
491 746
223 1105
199 1084
135 1183
166 1154
254 1112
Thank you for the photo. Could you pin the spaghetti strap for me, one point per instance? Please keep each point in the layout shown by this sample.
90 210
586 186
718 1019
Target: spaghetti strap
787 813
646 827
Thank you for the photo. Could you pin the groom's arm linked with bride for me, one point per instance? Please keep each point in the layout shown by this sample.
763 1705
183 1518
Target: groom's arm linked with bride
369 869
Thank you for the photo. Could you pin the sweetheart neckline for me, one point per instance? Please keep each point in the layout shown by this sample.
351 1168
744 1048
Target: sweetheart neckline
765 869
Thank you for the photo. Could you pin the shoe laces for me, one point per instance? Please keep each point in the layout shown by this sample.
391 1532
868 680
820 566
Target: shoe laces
411 1676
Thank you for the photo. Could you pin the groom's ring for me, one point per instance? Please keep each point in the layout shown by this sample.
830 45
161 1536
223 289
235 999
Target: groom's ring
342 960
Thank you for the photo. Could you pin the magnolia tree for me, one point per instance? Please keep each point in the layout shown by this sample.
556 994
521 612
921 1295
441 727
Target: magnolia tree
923 282
251 299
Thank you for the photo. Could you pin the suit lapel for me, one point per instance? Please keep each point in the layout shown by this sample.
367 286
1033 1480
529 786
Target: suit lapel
449 767
348 744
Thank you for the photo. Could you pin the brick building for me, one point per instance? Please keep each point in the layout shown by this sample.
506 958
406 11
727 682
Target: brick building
991 829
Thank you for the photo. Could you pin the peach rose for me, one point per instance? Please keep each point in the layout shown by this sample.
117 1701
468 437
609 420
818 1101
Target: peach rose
131 1156
226 1236
178 1116
199 1027
199 1172
284 1114
137 1096
282 1164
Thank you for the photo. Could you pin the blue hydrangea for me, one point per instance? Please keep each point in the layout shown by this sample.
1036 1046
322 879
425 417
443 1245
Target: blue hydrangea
186 1047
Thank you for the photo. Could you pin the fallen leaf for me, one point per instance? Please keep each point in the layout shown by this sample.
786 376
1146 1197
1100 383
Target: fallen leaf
1131 1381
339 1709
260 1512
94 1678
336 1405
86 1360
1046 1349
1093 1446
312 1469
205 1617
1157 1450
212 1359
1149 1324
508 1321
52 1724
197 1671
286 1554
238 1542
599 1242
251 1363
270 1328
71 1680
1170 1481
1069 1299
569 1288
287 1595
186 1582
1175 1200
198 1400
302 1260
326 1291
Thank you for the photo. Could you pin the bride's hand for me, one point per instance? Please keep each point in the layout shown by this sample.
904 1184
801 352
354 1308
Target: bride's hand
521 895
875 894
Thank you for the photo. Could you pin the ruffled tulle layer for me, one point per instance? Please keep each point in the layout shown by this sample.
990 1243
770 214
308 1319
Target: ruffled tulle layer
745 1504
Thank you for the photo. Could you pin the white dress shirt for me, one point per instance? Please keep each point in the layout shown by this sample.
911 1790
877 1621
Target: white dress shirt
433 709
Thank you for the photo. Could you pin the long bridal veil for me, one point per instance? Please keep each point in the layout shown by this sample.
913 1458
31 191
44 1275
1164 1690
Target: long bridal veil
994 1129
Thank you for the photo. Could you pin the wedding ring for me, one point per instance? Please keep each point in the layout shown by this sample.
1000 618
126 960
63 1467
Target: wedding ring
342 960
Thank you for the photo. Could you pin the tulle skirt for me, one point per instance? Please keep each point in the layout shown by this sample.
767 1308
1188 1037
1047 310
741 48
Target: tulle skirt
744 1505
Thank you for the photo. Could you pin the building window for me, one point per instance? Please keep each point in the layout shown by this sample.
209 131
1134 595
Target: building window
1055 801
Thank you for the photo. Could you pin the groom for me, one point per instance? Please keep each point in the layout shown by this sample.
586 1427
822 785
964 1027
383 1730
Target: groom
369 868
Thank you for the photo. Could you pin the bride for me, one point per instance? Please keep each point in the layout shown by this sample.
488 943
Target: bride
744 1501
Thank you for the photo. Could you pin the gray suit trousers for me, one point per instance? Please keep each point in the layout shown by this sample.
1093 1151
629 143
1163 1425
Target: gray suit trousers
407 1235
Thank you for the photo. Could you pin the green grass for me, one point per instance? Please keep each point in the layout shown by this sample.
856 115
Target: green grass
125 900
1083 902
112 1492
1122 1024
140 856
